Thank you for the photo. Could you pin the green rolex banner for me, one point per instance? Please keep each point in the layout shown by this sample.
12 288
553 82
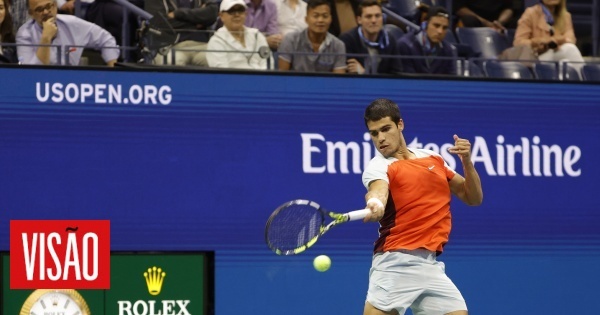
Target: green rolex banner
157 284
142 283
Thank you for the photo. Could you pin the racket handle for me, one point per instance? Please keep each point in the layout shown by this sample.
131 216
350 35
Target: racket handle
358 214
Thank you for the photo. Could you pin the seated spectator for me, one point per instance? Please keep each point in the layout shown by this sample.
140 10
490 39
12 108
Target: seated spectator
291 16
7 53
262 15
235 45
50 28
319 51
547 27
192 25
343 16
369 38
497 14
428 43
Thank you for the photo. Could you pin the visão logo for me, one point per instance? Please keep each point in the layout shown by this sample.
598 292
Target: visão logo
154 280
60 254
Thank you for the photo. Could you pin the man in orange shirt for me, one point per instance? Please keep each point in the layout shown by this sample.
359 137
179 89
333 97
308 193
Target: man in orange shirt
409 193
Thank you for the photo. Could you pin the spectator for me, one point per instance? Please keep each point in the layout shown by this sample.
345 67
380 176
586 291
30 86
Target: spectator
291 16
192 25
235 45
547 27
497 14
319 51
7 35
262 15
343 16
429 44
49 28
369 38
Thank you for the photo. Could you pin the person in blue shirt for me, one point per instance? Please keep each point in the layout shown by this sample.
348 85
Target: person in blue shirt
429 45
39 39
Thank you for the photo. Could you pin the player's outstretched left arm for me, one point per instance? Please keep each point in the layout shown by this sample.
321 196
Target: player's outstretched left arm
467 188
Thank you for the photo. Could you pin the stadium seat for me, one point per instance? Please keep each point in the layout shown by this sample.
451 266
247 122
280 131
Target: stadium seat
591 72
394 30
506 70
408 9
474 70
510 36
485 42
546 70
571 74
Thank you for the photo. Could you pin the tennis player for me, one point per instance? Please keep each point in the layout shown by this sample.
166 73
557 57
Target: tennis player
409 193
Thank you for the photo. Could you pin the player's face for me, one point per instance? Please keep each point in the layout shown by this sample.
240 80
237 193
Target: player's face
437 28
318 19
234 18
371 20
42 10
386 135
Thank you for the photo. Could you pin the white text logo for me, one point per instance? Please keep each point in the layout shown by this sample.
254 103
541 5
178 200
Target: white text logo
527 157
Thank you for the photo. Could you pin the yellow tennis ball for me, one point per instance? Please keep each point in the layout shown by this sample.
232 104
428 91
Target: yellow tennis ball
322 263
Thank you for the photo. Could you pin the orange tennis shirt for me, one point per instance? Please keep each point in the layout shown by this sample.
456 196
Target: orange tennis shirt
417 213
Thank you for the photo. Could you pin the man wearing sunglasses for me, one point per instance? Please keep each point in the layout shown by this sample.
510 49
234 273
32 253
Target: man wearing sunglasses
235 45
58 39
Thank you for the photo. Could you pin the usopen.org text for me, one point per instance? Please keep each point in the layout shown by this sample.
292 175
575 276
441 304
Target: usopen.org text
102 93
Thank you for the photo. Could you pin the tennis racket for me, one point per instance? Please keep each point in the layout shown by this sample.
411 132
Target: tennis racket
297 225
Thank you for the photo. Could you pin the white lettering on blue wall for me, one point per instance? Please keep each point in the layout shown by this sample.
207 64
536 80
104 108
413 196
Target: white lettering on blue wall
527 157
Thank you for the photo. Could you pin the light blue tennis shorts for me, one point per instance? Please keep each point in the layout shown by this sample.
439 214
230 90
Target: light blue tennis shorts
412 278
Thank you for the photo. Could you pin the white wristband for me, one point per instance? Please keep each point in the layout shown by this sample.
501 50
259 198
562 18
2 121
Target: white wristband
375 200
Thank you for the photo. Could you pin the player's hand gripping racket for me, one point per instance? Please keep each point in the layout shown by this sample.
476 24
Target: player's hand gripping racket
297 225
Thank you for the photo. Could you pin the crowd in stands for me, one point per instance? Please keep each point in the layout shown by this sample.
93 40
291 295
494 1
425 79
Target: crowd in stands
338 36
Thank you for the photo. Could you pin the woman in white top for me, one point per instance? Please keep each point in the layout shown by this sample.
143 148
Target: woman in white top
235 45
291 15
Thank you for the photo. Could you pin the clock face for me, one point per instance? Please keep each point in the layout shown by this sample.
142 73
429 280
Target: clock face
55 303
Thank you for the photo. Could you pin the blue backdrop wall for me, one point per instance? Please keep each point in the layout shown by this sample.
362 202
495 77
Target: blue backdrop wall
198 161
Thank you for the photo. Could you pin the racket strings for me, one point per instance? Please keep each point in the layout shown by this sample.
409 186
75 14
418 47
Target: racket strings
294 226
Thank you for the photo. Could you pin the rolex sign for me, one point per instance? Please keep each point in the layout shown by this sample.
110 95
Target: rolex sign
142 283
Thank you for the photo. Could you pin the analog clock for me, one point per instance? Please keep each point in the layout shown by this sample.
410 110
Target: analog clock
55 301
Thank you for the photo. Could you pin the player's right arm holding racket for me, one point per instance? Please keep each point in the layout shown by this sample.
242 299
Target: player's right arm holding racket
376 181
376 199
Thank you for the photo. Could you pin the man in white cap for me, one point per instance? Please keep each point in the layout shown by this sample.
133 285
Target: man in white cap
235 45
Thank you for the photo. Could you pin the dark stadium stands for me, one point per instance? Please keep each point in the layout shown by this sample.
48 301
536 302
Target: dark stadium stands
485 41
506 70
591 72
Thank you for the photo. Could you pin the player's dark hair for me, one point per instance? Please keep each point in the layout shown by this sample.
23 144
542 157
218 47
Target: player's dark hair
311 4
366 4
381 108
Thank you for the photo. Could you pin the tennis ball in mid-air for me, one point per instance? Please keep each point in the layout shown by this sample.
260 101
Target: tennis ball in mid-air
322 263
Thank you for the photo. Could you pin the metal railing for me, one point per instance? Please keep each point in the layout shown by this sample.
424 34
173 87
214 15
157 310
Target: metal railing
474 67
